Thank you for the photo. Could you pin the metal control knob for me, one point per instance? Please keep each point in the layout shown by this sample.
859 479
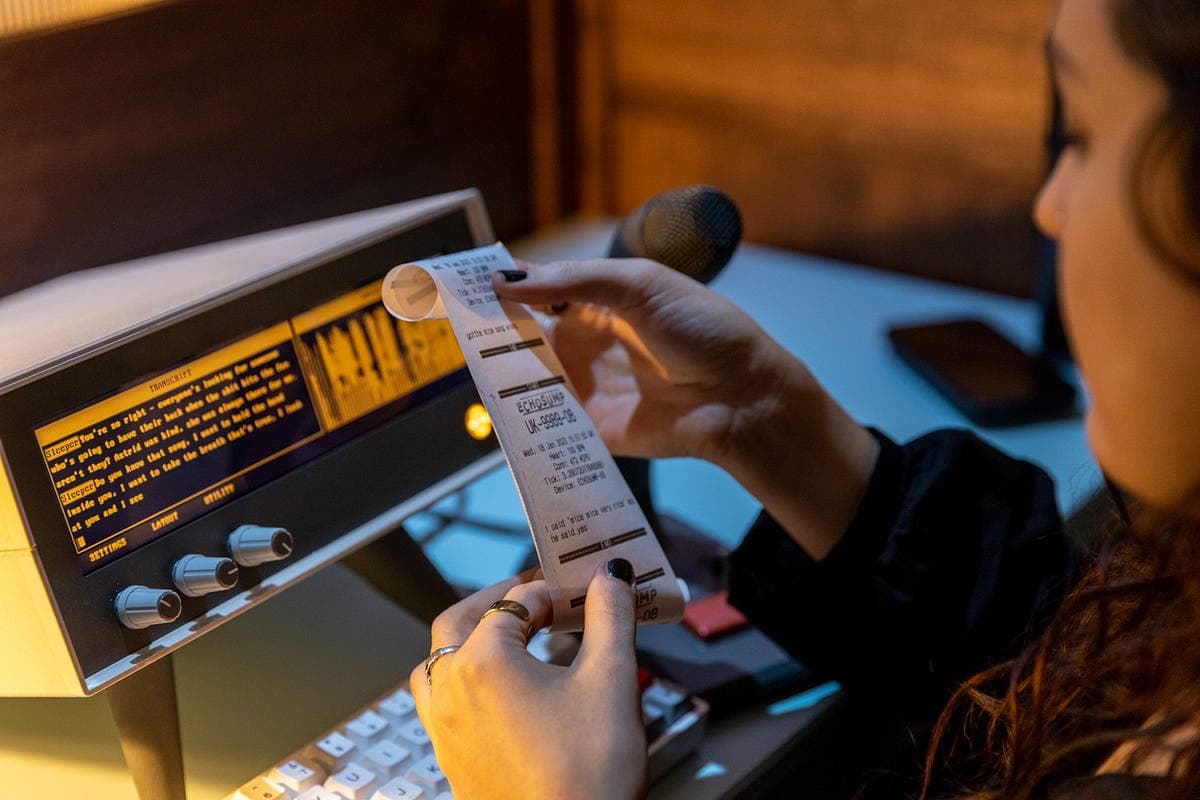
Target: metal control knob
197 575
140 606
251 545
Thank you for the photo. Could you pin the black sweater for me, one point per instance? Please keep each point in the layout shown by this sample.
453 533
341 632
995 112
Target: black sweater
955 558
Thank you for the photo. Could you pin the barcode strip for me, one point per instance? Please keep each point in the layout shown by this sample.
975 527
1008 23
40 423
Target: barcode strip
529 387
603 544
510 348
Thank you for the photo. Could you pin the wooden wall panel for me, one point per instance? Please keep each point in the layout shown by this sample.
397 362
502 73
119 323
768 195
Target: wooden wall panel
906 135
202 119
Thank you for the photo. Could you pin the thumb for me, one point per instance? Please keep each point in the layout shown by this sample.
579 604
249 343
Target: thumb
608 619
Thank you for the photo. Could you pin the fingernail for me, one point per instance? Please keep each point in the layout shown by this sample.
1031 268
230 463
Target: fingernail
620 568
558 308
514 275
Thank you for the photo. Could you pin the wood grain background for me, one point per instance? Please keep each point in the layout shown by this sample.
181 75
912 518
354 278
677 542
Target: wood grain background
903 134
907 135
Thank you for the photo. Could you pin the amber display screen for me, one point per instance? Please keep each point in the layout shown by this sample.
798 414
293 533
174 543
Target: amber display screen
139 463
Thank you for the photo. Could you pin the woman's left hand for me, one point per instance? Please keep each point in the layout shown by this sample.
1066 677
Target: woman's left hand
505 724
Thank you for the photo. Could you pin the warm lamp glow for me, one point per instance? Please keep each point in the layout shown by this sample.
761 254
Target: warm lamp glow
26 16
479 424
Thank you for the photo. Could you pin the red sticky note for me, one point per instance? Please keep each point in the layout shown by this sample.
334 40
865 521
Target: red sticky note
712 616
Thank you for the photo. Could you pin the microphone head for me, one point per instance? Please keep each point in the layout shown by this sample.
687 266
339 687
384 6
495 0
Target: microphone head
693 229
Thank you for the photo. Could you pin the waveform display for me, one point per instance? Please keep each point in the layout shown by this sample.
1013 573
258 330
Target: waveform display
366 359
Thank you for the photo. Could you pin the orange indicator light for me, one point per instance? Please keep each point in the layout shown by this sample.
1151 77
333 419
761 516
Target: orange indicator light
479 424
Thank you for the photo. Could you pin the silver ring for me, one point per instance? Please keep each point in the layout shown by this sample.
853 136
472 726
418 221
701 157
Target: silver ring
433 659
516 609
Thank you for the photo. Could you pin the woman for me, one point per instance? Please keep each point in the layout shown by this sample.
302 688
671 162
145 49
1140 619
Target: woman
941 553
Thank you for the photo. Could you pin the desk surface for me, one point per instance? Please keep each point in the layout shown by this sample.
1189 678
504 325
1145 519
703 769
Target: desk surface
272 679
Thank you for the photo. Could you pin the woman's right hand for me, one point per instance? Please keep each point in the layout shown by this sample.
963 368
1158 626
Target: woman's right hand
664 366
667 367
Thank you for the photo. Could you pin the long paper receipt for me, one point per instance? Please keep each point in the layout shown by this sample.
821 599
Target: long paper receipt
579 507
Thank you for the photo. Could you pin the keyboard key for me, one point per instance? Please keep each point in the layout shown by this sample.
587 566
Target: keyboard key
367 727
383 752
413 733
673 704
654 721
297 775
334 751
386 757
354 782
428 774
319 793
260 789
398 705
398 789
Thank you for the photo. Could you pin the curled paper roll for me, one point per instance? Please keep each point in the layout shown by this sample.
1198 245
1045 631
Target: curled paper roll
411 294
581 512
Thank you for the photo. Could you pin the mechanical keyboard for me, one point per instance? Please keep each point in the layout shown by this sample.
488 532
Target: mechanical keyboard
382 752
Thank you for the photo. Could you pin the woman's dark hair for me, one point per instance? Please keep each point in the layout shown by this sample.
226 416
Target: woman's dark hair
1164 36
1120 662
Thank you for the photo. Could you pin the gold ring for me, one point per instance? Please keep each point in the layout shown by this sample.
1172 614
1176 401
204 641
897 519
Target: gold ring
433 659
514 608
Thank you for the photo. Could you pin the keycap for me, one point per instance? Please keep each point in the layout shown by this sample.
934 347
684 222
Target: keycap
672 703
654 721
297 775
427 773
334 751
413 733
399 789
355 782
367 727
319 793
398 705
386 757
444 796
260 789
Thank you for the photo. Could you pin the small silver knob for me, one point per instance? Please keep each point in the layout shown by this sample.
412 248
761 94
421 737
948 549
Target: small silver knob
140 606
197 575
251 545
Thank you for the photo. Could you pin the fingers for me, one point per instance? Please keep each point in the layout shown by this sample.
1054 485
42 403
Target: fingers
620 284
455 624
418 687
608 617
508 628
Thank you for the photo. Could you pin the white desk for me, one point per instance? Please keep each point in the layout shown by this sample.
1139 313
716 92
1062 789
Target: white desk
272 679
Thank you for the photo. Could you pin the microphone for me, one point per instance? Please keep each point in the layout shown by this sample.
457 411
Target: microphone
692 229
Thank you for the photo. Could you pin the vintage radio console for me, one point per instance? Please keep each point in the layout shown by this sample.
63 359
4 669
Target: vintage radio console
183 439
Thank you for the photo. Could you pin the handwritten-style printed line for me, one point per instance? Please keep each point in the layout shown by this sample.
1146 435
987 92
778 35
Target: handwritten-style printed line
603 544
530 387
511 347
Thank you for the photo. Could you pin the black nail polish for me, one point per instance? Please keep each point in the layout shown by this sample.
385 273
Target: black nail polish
514 275
620 568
